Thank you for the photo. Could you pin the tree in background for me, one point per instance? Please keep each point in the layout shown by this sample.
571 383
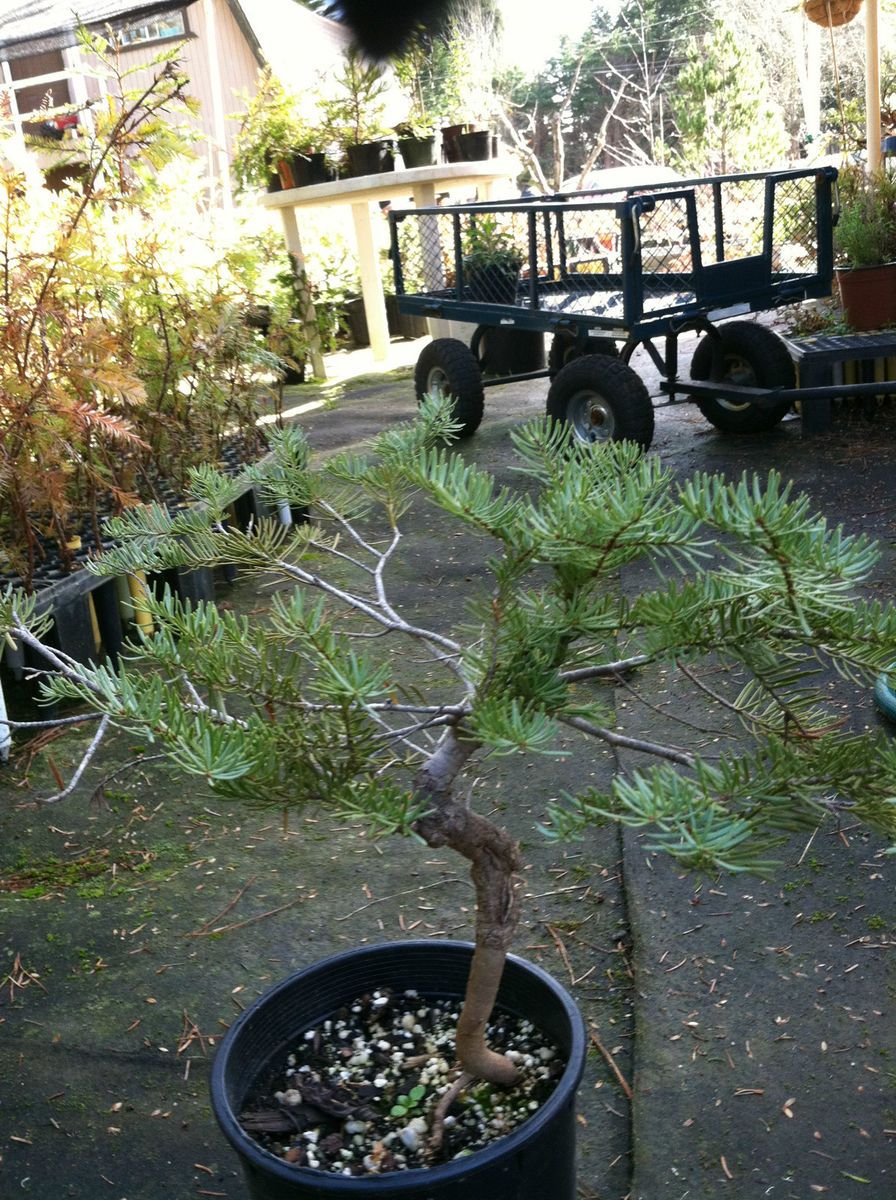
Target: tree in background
601 100
724 119
558 121
646 49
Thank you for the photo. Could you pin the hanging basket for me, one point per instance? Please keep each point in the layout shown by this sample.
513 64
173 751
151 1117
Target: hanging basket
831 12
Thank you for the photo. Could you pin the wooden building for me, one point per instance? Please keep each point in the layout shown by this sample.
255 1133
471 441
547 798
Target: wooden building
224 44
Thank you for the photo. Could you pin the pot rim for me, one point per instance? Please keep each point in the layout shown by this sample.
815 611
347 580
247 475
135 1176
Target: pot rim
399 1181
872 267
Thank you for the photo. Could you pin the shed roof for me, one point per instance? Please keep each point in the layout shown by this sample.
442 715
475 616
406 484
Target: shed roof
36 26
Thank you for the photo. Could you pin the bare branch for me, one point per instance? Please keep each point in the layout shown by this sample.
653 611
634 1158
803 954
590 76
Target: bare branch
672 753
83 764
601 139
605 670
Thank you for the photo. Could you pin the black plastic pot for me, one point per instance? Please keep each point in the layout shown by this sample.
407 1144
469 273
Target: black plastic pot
450 145
475 145
406 325
534 1162
503 351
370 158
303 170
356 319
495 283
418 152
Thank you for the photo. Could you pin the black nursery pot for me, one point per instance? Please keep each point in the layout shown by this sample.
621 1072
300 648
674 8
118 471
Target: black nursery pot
309 169
370 158
495 283
475 145
418 152
534 1162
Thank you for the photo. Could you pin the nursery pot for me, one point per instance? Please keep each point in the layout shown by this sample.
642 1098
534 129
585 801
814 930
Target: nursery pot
309 169
450 146
418 152
406 325
356 319
535 1161
495 283
370 158
474 145
868 295
503 351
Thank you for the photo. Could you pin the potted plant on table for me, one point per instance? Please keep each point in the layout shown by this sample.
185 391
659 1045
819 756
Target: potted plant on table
354 119
276 147
865 247
417 134
417 142
331 724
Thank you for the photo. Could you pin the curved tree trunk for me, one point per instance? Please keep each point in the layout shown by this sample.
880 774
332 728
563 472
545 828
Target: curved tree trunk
494 861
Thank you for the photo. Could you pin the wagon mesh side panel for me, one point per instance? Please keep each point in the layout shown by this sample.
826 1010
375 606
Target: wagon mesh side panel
425 251
731 216
795 238
574 270
667 260
669 251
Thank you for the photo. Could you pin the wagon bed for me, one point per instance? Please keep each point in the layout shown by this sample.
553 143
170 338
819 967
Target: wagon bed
636 263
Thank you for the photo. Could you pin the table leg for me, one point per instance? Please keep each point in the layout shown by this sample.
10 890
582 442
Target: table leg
308 315
371 281
431 252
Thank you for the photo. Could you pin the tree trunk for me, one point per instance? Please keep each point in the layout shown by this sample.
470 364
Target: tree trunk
494 861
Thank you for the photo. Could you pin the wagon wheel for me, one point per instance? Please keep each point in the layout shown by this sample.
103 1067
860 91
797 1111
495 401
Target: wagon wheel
603 400
752 356
564 349
446 365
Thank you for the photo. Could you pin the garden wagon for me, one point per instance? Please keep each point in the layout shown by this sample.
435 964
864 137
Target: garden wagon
605 273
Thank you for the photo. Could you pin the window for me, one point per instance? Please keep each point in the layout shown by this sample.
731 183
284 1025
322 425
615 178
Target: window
155 29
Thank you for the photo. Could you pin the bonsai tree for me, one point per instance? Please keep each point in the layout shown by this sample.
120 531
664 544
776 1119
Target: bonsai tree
321 704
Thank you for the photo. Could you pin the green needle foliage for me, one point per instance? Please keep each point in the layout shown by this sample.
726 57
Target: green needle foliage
749 604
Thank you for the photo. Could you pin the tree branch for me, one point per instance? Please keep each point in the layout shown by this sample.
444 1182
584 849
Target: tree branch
627 743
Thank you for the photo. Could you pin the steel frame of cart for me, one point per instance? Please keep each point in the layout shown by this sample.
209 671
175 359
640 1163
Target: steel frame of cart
607 272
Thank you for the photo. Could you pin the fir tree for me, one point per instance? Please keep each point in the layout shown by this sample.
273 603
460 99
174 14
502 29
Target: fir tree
309 709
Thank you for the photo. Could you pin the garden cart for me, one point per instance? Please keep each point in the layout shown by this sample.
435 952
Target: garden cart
607 272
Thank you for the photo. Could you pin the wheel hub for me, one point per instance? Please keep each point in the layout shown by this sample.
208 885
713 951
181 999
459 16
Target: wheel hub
591 417
739 372
437 381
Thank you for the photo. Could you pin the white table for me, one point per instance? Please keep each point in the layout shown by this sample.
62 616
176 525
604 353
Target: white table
421 183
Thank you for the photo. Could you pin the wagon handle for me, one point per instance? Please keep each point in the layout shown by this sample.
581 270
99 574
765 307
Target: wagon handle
835 199
636 229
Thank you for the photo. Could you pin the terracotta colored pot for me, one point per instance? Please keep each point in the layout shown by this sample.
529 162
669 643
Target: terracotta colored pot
868 295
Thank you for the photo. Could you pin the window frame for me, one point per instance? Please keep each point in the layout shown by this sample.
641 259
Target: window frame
139 43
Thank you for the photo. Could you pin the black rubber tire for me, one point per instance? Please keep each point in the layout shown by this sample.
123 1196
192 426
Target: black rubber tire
603 400
448 364
755 357
565 349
